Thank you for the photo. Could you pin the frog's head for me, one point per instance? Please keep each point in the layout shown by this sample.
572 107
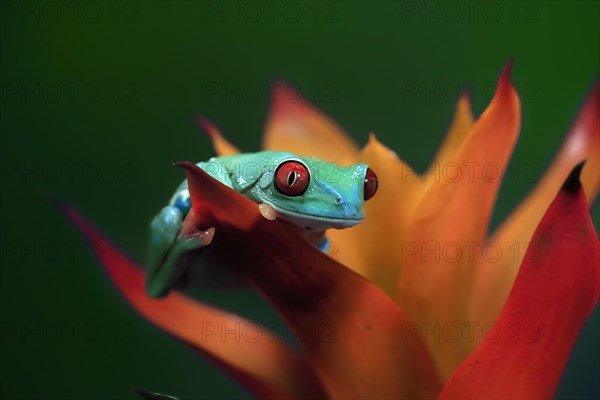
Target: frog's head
314 194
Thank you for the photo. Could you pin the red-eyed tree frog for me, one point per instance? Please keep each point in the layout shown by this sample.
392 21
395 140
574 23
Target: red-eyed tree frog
313 195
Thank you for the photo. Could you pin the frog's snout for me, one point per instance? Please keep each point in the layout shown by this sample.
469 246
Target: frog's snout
349 210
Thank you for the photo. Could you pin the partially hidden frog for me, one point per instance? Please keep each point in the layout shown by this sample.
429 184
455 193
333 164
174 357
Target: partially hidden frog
313 195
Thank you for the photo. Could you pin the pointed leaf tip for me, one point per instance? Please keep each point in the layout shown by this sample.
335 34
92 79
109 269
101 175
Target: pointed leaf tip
465 95
572 183
177 164
148 395
221 145
54 201
507 70
51 199
185 165
206 126
284 92
504 82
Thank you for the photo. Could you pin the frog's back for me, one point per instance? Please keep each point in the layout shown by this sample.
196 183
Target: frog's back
234 171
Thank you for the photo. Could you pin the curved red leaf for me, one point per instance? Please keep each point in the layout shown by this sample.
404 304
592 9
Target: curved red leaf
359 341
555 291
494 279
266 367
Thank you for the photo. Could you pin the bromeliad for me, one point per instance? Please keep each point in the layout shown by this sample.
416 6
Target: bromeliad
381 349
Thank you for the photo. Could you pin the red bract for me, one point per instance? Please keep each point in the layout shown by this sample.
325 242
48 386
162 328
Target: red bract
555 291
268 368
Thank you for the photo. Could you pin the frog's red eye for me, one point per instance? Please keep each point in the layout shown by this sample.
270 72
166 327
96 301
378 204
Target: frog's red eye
292 178
370 184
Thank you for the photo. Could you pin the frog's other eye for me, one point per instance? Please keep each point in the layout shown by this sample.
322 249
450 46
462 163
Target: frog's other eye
292 178
370 184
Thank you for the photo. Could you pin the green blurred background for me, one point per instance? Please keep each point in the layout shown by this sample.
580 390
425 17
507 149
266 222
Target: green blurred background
98 98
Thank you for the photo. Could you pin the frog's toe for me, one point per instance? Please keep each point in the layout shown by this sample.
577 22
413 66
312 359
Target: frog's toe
159 283
201 238
267 211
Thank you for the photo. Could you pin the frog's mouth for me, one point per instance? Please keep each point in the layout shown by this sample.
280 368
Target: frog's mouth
316 222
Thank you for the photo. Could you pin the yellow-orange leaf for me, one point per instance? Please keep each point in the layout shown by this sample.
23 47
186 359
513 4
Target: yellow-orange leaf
297 126
450 224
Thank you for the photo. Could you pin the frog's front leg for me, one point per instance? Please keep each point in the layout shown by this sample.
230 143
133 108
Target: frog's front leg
166 244
166 247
